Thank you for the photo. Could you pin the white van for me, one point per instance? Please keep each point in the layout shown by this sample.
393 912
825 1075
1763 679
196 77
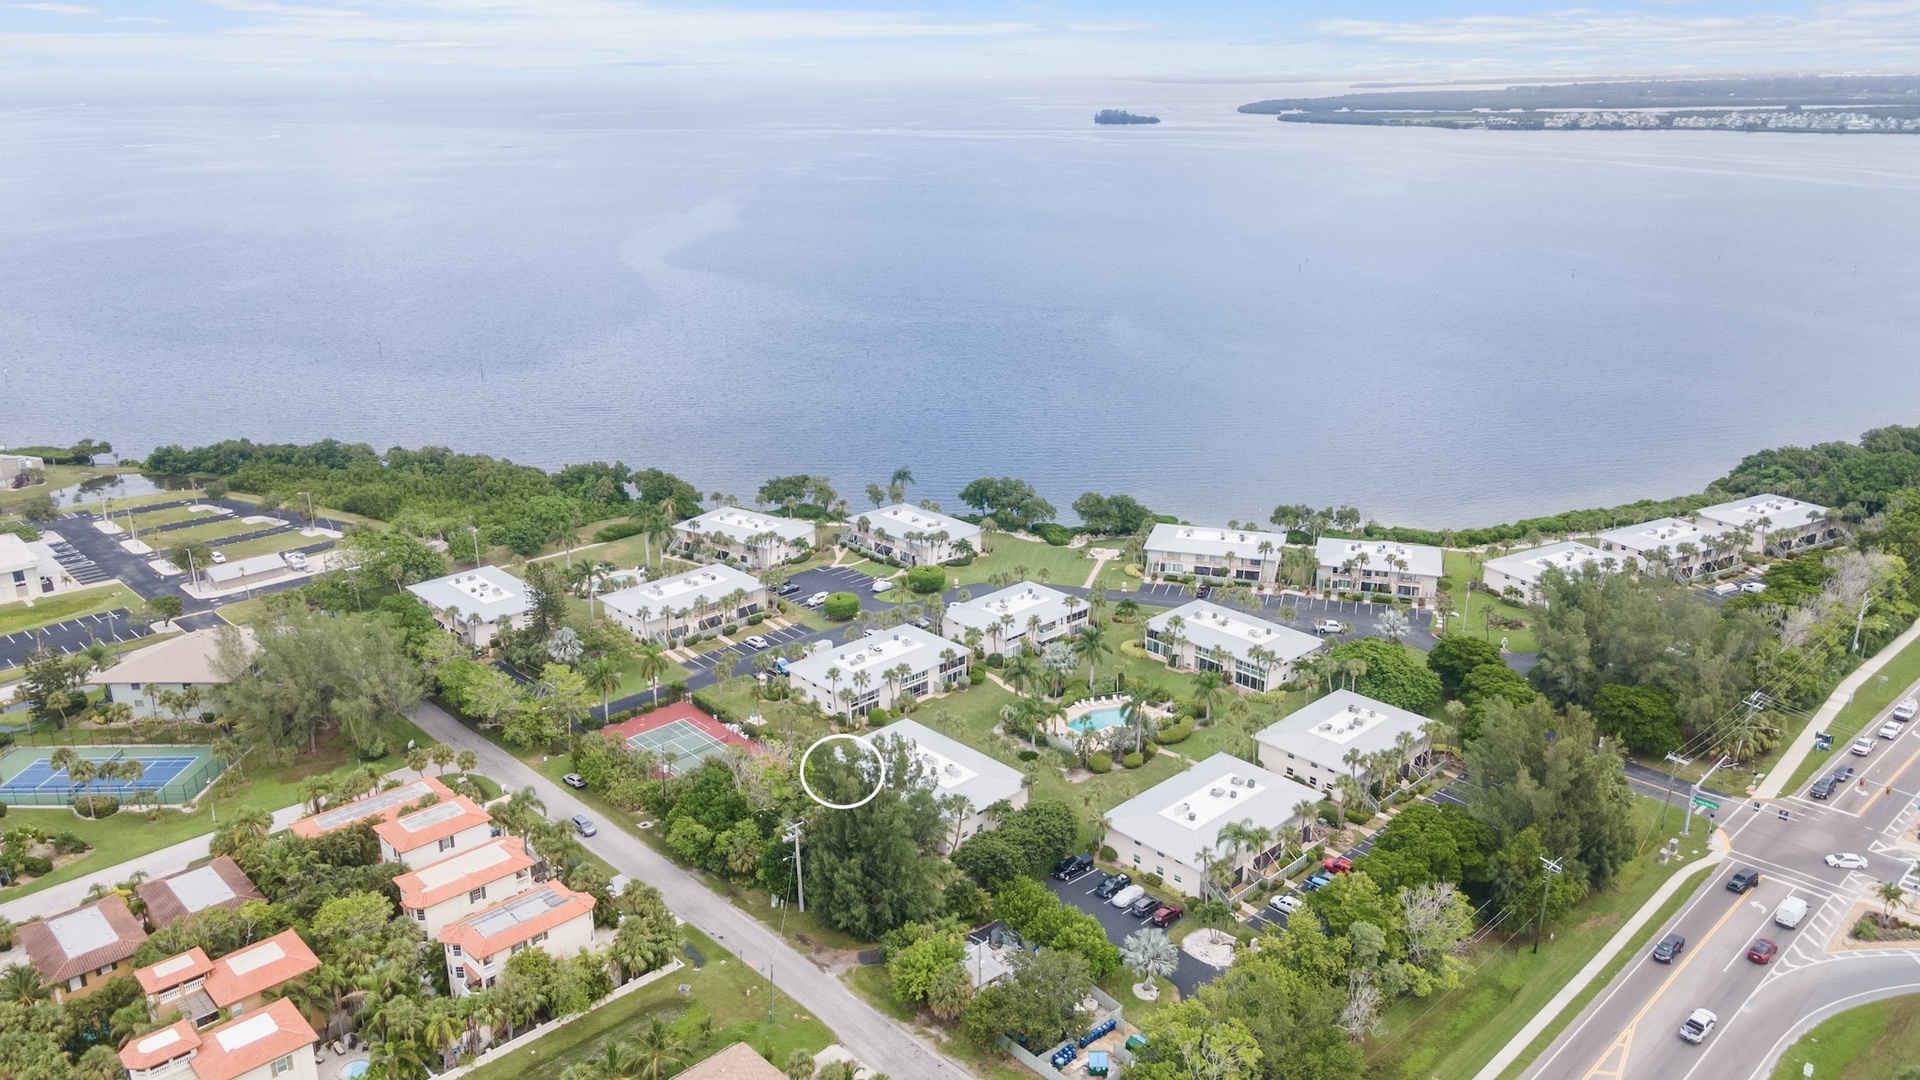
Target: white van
1127 896
1790 912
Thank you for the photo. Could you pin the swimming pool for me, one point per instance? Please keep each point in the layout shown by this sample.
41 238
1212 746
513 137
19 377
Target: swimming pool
1100 719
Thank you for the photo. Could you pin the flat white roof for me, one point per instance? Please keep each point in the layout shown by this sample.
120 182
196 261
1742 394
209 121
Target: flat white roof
174 963
1201 540
1208 625
908 645
743 525
500 918
1381 555
901 519
165 1037
246 960
1567 557
1323 730
474 861
954 767
1780 512
247 1031
1021 601
200 888
681 590
1660 532
1183 815
487 591
16 555
82 931
431 816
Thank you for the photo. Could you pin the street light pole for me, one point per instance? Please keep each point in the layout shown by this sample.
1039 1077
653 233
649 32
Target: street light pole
1686 821
799 879
1552 867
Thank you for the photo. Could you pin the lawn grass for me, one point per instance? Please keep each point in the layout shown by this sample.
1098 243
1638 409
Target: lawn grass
1044 563
128 835
1879 692
1876 1041
60 607
728 992
210 533
1471 607
1451 1036
267 545
153 519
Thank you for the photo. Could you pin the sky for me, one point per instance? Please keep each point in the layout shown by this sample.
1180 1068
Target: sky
142 40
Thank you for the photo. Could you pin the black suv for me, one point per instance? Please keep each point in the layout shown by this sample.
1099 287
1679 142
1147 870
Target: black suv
1144 906
1111 884
1073 866
1669 948
1743 879
1821 788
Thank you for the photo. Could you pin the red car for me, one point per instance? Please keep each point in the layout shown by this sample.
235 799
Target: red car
1165 916
1762 951
1338 864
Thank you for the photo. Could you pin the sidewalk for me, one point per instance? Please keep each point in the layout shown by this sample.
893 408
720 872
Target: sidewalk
1716 851
1803 743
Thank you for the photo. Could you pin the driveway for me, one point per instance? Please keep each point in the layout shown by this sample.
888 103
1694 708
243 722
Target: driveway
1191 973
876 1040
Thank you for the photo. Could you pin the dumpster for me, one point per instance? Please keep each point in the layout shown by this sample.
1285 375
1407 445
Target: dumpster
1097 1063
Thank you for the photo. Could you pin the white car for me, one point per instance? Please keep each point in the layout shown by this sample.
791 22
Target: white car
1755 586
1906 709
1890 729
881 584
1329 626
756 642
1847 860
297 560
1286 903
219 557
1698 1026
1125 897
816 599
1862 746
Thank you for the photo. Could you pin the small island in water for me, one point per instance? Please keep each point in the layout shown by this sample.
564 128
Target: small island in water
1121 116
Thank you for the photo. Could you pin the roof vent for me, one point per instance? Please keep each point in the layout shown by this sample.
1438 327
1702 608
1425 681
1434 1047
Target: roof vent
1216 793
1233 794
1192 816
1249 783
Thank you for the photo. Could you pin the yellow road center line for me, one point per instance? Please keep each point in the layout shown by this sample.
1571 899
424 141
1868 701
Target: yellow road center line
1627 1035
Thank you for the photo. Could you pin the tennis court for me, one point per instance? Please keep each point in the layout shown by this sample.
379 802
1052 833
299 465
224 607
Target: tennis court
169 774
680 736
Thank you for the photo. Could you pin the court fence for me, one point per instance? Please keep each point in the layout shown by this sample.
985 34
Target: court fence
181 787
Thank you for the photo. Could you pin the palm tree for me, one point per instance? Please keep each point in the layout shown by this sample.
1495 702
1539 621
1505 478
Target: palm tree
1308 811
1150 954
659 1050
20 984
63 760
1090 644
79 774
650 663
603 674
1208 686
1890 894
565 646
799 1065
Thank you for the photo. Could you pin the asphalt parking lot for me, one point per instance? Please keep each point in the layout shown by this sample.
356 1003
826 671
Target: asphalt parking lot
71 636
1189 976
833 579
775 639
75 563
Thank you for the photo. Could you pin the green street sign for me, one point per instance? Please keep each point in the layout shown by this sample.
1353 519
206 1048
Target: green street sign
1705 803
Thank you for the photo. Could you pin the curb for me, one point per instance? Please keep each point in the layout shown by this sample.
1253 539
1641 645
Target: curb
1842 694
1716 853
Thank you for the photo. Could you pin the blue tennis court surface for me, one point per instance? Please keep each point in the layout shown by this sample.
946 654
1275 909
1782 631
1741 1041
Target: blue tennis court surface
39 779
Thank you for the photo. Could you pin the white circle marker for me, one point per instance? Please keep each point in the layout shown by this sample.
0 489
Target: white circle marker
857 741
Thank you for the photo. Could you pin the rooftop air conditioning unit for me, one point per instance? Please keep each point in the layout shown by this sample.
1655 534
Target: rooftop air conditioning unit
1192 817
1184 807
1216 793
1249 783
1233 794
1234 780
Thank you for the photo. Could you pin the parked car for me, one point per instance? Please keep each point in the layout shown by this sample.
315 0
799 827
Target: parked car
1328 626
755 641
881 584
1073 866
923 623
1725 588
1286 903
1143 907
1762 951
1743 879
1111 884
296 559
1862 746
1906 710
815 600
1316 883
219 557
573 780
1167 916
1337 864
1847 860
1755 587
789 589
583 826
1203 591
1698 1025
1669 948
1128 895
1790 912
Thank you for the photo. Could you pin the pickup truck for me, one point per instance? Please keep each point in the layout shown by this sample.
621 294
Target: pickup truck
1698 1026
1328 626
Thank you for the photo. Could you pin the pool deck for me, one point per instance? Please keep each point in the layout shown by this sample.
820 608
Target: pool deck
1061 724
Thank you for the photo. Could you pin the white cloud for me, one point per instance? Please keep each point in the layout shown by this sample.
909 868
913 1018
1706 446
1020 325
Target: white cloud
57 9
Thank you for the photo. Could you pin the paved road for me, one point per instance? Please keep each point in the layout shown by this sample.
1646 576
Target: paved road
876 1040
1630 1031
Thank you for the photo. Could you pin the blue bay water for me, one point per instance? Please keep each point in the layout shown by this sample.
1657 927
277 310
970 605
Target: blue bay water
1216 314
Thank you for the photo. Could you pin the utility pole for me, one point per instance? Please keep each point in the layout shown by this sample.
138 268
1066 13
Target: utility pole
1686 820
799 879
1552 867
1677 761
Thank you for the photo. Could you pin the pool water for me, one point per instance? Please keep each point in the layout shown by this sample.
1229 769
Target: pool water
355 1070
1100 719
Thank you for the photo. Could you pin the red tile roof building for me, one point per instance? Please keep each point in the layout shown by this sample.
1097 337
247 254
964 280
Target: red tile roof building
381 806
273 1042
549 916
75 951
218 884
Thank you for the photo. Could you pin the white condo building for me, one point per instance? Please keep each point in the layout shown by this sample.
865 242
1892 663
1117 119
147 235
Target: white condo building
1517 576
1166 829
1402 571
1681 548
932 665
1018 614
1310 746
1247 555
693 602
752 539
951 767
548 916
475 605
1779 524
29 568
1250 651
910 534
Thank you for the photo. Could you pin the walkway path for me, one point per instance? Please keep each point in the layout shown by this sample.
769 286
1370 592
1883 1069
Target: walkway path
1842 694
880 1043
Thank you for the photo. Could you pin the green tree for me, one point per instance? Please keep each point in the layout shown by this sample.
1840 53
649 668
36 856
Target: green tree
312 675
1187 1041
648 935
1038 999
917 967
1533 769
1456 654
1392 674
875 867
1011 502
1646 718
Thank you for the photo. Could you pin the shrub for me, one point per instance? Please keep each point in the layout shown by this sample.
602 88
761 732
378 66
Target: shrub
1101 762
68 844
926 579
1133 761
877 717
1076 689
1107 854
1151 881
619 530
1359 815
97 806
6 934
841 606
3 810
995 660
35 865
756 619
1029 755
1053 533
1133 570
976 676
1148 749
1175 733
729 630
964 560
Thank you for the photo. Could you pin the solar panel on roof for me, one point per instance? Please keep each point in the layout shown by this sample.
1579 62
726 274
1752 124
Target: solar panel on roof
516 911
371 805
432 815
